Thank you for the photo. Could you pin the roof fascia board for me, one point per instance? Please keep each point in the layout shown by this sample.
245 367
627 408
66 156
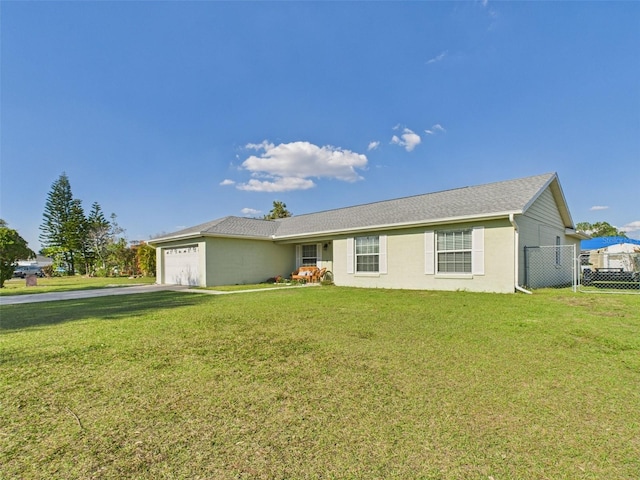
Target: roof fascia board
174 238
397 226
539 192
570 232
558 195
190 236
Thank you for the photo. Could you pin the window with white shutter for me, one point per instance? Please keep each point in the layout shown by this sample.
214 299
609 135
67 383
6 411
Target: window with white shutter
367 254
454 251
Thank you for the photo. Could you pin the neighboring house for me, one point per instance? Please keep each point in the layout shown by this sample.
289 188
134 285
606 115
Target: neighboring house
610 252
469 238
40 261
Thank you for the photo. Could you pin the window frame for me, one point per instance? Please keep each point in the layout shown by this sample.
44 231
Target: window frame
362 255
477 252
460 247
304 259
352 266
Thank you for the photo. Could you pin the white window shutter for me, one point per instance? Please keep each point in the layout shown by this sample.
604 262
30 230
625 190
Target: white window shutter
350 254
477 255
298 255
382 255
429 253
318 254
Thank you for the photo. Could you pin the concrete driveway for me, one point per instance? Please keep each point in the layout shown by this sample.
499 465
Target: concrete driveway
108 291
78 294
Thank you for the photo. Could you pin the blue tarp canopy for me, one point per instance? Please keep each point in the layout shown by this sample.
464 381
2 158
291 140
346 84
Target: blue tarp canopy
603 242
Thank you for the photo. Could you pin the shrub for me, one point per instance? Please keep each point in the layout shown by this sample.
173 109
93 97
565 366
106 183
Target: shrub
48 270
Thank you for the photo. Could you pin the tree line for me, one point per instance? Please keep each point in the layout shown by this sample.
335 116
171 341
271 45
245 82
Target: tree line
88 244
599 229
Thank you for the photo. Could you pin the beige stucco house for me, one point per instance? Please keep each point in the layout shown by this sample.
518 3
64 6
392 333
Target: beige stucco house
470 238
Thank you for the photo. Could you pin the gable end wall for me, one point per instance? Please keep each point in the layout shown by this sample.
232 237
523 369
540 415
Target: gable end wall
539 226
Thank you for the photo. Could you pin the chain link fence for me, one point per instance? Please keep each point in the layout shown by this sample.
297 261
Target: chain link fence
559 266
610 272
552 266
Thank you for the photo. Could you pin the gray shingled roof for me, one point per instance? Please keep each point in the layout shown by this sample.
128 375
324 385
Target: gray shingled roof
492 199
478 201
228 226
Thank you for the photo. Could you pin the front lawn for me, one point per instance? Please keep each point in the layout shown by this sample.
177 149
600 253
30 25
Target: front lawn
322 383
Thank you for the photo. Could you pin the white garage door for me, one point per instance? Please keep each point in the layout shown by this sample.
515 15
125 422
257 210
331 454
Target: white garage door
181 265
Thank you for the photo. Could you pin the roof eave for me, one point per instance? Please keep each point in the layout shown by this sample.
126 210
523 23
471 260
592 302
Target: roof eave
570 232
209 235
174 238
399 226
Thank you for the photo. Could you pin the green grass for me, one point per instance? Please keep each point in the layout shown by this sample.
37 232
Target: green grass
17 286
322 383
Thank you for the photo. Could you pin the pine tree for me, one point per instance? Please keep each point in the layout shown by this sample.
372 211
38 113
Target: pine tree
98 234
279 210
64 225
77 236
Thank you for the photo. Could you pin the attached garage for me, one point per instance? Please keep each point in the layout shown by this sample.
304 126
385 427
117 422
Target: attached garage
226 251
181 265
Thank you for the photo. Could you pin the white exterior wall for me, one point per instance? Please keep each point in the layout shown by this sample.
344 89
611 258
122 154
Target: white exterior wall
233 261
405 258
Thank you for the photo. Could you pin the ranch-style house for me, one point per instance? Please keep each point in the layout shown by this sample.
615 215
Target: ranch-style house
469 238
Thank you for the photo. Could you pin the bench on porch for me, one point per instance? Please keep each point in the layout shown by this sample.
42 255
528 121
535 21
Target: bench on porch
308 274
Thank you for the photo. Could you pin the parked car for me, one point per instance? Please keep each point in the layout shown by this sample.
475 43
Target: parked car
22 271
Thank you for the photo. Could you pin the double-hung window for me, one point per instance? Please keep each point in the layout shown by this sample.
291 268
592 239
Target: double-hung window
367 251
310 255
367 255
454 251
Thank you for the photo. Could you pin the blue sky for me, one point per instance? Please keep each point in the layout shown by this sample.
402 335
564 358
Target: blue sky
171 114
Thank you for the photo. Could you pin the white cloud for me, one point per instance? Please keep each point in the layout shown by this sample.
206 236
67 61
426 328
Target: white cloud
437 128
289 166
264 145
632 225
227 182
250 211
279 184
438 58
632 229
373 145
598 207
408 140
